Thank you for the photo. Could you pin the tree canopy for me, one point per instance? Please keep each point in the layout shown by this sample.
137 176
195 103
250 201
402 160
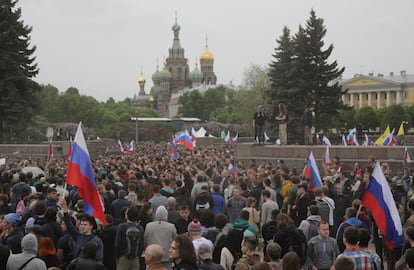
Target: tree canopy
17 69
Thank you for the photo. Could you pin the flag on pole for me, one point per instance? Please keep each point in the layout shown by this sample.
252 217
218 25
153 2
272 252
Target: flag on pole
382 137
232 169
119 146
50 150
343 141
184 138
326 159
311 171
174 152
326 141
401 129
235 139
406 157
389 140
130 148
80 174
227 139
368 141
194 137
379 200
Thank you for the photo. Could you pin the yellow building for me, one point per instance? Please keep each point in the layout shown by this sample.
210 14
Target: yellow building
379 91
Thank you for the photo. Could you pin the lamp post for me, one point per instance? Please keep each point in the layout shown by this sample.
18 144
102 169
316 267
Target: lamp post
136 127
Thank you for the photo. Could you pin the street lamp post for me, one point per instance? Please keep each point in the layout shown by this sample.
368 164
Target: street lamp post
136 127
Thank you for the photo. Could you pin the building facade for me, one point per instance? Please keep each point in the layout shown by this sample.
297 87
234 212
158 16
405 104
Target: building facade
379 91
174 79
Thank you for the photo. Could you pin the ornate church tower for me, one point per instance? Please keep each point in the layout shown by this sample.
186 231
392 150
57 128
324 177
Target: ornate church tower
176 63
207 66
141 82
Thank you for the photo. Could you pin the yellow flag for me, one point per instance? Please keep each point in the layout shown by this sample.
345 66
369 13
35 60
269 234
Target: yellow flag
382 137
401 130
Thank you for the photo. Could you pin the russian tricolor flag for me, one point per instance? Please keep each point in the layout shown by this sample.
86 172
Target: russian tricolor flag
406 157
227 139
311 171
194 136
343 141
378 199
390 140
326 159
232 169
185 139
326 141
368 141
50 150
80 175
119 146
174 152
235 139
130 148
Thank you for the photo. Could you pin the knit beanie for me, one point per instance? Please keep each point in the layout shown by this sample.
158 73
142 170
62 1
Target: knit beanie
194 227
13 219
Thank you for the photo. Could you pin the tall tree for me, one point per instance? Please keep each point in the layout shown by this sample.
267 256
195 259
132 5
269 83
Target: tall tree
320 82
283 85
17 68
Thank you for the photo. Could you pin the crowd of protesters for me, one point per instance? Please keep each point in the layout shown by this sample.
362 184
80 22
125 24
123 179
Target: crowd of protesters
193 213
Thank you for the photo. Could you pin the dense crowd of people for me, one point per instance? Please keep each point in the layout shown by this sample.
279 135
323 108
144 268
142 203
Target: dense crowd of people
195 213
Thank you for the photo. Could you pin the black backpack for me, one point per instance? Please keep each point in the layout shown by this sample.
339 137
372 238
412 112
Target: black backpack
324 209
133 236
295 241
271 230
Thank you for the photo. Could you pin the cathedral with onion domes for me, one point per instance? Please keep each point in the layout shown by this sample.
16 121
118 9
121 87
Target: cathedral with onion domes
175 78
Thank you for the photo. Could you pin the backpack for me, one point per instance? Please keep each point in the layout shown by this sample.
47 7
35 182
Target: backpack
133 236
324 209
312 230
295 241
271 230
202 202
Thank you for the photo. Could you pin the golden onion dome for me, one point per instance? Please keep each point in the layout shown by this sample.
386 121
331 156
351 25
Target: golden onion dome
151 99
141 79
207 55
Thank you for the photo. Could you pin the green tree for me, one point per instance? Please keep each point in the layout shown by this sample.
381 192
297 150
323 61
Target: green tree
394 115
367 117
213 99
17 68
283 85
191 105
320 82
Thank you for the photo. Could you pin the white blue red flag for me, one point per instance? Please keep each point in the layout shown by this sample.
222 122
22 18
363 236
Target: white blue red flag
326 159
194 137
184 139
119 146
379 200
130 148
343 141
80 174
227 139
389 140
326 141
368 141
232 169
50 150
406 158
351 138
235 139
311 171
174 152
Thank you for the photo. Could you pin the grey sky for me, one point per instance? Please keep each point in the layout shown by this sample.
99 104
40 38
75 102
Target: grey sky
99 46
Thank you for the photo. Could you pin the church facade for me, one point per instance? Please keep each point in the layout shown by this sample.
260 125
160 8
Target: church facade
174 79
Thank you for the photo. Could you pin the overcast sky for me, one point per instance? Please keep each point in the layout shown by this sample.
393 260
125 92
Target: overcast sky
99 46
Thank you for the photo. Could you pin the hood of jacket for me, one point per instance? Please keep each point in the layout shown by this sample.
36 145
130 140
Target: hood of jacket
315 218
29 244
354 222
161 214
